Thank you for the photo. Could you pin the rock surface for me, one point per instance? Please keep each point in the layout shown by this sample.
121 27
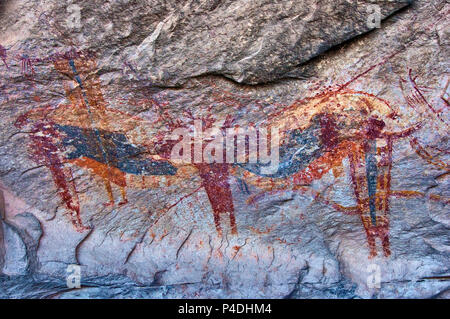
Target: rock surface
90 92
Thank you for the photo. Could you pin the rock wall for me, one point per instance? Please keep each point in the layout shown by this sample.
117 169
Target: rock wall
94 93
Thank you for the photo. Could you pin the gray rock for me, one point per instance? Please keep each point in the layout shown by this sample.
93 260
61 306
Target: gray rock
249 42
16 258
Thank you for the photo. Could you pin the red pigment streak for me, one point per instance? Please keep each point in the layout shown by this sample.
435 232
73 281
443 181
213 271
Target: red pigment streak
384 61
182 198
420 96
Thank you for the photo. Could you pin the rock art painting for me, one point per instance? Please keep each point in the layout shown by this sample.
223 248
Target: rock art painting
318 133
121 154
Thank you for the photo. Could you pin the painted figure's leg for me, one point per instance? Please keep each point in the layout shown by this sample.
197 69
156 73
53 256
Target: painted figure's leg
384 154
216 216
109 192
63 179
233 223
215 181
361 190
113 175
124 196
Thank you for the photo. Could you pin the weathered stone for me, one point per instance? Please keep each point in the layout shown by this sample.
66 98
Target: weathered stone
16 258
